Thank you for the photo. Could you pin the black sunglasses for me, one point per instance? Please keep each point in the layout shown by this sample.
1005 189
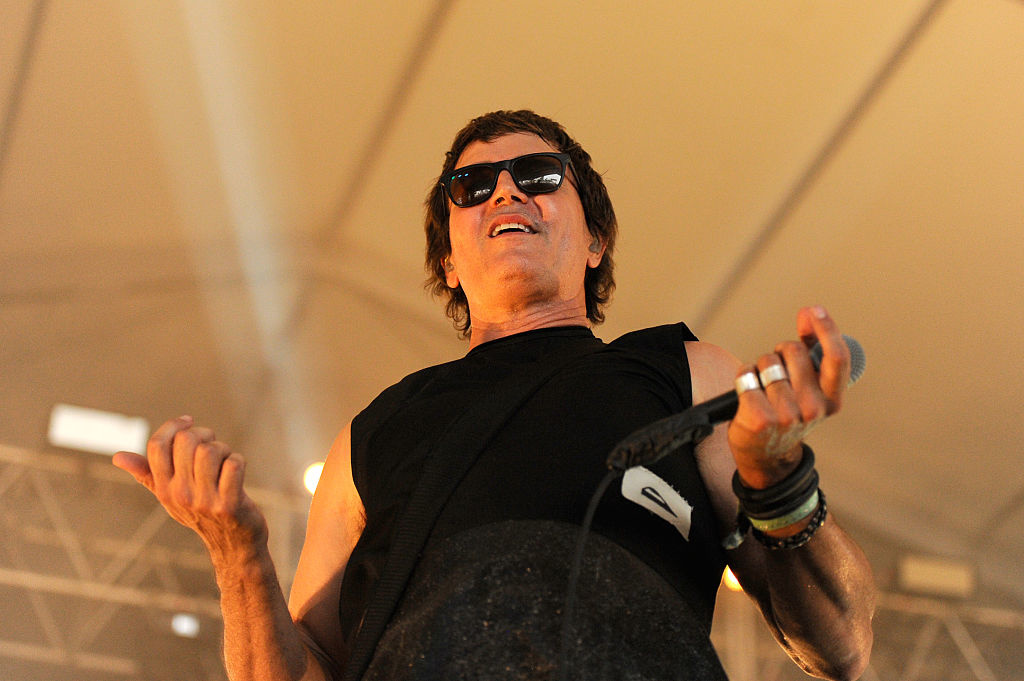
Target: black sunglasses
533 173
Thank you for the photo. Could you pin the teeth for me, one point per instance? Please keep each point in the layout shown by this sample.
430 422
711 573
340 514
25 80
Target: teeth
511 226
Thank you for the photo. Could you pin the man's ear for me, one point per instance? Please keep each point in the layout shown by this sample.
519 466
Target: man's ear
596 249
451 277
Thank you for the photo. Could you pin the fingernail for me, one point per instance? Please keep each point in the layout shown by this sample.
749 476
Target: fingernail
186 417
820 312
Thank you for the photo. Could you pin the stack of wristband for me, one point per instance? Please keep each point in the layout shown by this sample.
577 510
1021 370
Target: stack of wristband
781 505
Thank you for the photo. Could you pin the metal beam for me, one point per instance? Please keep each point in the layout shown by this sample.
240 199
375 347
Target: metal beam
933 607
919 655
19 650
124 595
798 191
969 649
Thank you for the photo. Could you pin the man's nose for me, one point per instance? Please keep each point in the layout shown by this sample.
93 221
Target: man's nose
506 188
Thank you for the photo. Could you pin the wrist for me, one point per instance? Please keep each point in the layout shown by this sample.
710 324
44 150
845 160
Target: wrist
241 564
761 473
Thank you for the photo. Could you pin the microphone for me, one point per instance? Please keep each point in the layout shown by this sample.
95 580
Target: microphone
661 438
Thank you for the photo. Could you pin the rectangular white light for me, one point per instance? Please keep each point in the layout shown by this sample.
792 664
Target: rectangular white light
936 576
97 431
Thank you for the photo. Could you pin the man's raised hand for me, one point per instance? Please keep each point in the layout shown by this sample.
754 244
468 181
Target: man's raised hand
771 422
199 481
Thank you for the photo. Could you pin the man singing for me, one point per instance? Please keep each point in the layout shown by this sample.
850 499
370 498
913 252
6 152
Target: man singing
504 448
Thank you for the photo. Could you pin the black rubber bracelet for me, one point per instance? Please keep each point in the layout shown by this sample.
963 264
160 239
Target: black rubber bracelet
770 499
787 505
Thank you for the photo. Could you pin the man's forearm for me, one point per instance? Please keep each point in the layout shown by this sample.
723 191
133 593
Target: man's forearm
822 601
261 642
199 481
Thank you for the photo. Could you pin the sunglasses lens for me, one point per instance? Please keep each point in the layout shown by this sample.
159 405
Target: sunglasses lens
538 174
472 185
534 173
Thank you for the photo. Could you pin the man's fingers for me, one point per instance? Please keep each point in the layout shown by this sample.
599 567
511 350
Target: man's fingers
804 380
209 460
158 449
754 408
796 403
232 478
184 450
135 465
777 388
815 325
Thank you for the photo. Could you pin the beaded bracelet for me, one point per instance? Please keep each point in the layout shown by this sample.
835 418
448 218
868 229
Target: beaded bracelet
800 538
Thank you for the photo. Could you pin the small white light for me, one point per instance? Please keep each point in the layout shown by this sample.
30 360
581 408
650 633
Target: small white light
91 430
730 581
312 475
185 625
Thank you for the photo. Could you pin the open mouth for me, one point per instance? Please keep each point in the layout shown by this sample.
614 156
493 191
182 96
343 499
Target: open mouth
507 227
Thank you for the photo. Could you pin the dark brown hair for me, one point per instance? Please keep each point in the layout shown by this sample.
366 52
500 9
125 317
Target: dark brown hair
597 209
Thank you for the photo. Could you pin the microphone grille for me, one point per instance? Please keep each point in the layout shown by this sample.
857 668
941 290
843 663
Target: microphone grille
858 360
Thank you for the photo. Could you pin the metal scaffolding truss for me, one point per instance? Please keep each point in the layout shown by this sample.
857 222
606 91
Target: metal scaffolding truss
916 639
92 570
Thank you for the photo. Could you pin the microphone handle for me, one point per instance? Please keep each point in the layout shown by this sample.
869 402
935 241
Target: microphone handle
657 440
721 408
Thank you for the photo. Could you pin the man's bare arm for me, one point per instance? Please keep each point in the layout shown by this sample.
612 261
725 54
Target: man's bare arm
199 481
818 599
336 521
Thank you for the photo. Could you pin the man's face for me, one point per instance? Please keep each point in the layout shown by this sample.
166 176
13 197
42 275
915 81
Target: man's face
545 262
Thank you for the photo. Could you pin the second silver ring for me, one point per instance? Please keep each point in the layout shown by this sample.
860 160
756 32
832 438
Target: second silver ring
773 374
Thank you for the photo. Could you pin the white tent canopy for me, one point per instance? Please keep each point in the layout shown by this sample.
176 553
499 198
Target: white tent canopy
215 208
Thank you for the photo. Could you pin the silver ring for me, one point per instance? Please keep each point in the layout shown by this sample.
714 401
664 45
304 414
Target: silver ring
773 374
747 381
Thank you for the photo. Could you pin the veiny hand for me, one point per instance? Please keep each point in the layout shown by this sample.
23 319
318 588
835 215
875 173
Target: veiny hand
199 481
770 423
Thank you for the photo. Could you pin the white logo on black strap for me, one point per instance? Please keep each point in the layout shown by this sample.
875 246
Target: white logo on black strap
644 487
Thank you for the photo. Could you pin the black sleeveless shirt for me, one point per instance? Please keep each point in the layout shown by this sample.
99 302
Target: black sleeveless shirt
494 568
